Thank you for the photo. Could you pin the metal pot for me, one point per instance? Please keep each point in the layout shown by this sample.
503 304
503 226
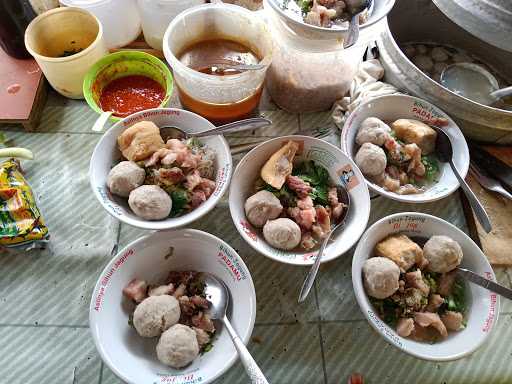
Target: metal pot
423 22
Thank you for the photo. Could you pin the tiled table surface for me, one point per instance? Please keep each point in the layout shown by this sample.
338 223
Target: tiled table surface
44 295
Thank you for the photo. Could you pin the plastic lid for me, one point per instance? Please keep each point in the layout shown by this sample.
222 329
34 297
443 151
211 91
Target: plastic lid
82 3
489 20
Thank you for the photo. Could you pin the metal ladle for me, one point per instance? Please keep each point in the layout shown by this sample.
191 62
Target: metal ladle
172 132
217 293
473 82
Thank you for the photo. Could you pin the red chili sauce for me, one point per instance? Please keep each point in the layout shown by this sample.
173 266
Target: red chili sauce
130 94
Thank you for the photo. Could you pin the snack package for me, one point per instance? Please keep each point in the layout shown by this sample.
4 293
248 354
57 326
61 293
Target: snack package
21 223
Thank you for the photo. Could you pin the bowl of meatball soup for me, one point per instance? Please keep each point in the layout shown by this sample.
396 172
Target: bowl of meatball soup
405 279
393 141
283 199
152 182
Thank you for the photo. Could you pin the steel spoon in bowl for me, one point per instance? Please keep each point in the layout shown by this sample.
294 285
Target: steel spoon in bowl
217 293
344 197
171 132
444 151
355 9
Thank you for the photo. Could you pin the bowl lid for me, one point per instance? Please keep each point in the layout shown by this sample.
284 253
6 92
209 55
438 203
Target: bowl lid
490 21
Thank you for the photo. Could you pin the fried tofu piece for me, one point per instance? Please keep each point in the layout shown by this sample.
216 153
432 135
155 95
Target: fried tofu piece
140 141
401 250
414 131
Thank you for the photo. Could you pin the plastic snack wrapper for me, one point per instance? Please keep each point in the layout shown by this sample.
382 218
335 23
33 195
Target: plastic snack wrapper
22 226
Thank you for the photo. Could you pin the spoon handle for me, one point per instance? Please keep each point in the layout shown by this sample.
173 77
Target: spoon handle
501 93
101 121
237 126
485 283
479 210
252 369
310 277
353 32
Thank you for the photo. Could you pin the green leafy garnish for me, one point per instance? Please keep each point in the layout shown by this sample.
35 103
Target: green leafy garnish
180 200
305 5
457 300
194 143
317 177
387 309
285 195
431 167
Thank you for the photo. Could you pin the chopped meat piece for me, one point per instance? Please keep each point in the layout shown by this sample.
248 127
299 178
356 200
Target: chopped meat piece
393 172
428 319
337 212
156 157
404 179
197 198
401 286
181 277
434 302
323 223
400 249
207 186
415 165
193 180
180 291
170 175
203 321
203 337
305 203
136 290
452 320
187 307
161 290
408 189
332 197
390 184
200 302
446 283
175 144
307 241
415 280
304 218
405 326
299 186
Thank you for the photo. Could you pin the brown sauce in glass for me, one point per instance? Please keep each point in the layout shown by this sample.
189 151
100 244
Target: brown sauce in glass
205 56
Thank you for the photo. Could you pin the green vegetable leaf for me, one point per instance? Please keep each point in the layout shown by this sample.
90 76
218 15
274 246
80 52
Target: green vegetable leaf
457 300
305 5
431 167
180 200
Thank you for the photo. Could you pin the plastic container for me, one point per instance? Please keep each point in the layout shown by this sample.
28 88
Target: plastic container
157 14
54 36
308 74
218 92
120 19
122 64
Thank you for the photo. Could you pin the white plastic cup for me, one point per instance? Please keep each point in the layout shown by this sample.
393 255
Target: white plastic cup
52 33
120 19
157 14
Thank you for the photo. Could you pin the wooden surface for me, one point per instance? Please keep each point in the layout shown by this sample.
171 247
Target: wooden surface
497 245
22 91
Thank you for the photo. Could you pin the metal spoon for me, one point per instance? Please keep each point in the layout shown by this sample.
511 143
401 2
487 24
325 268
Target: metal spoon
343 196
485 283
444 151
239 67
218 295
355 9
171 132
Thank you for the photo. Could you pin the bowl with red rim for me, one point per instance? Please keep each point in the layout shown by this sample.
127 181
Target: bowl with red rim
392 107
106 154
341 170
150 258
482 305
144 69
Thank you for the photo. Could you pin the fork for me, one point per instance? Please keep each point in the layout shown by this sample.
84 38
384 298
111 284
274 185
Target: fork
318 132
488 182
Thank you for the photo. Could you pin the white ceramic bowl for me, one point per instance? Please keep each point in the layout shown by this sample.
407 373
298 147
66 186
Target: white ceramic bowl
393 107
483 310
107 153
133 358
336 162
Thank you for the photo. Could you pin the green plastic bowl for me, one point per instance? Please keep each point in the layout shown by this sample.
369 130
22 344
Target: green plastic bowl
122 64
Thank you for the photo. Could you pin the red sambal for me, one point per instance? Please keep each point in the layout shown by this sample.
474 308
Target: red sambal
130 94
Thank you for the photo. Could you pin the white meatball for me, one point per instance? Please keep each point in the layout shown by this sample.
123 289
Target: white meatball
380 277
409 51
372 130
150 202
443 254
261 207
425 63
282 233
125 177
421 49
439 54
371 159
177 346
155 314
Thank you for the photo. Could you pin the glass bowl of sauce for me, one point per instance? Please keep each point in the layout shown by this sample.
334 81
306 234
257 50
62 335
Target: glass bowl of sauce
199 44
127 82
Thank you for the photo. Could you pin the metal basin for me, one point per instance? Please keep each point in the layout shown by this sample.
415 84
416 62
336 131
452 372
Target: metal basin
423 22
